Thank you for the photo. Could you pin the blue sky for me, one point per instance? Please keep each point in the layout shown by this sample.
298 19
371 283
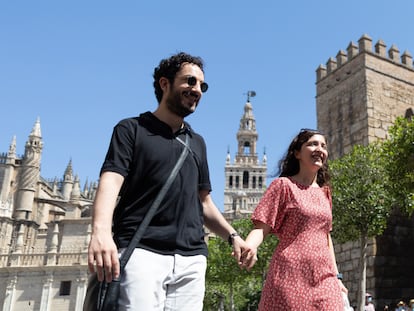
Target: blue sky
81 66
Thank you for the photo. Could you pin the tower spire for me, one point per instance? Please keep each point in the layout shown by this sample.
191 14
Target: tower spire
30 173
68 181
36 132
12 148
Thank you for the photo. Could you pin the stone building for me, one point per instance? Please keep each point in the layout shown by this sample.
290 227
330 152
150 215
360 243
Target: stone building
359 95
44 230
245 175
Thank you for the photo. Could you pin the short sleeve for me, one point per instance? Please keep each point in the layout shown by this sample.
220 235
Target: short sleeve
121 148
272 206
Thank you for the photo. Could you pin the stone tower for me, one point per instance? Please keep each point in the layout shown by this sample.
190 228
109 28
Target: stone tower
29 174
361 92
359 95
246 176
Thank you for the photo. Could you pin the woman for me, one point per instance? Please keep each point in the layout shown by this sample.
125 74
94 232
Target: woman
297 208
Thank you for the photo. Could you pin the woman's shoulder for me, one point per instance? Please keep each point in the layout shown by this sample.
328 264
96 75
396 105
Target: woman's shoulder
281 181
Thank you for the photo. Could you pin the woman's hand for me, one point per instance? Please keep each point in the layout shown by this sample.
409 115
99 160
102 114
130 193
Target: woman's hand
248 258
342 286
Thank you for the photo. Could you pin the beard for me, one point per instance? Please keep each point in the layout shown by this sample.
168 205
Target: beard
175 105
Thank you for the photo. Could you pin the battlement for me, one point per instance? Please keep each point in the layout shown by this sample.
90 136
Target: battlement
364 46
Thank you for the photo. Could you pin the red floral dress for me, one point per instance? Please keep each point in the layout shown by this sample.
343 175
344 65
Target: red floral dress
301 274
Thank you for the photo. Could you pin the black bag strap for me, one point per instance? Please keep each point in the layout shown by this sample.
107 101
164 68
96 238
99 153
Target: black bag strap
151 212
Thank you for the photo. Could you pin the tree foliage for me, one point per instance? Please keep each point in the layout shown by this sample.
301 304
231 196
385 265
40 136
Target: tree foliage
361 196
227 286
399 152
369 181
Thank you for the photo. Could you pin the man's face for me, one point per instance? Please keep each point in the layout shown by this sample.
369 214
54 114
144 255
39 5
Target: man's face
182 98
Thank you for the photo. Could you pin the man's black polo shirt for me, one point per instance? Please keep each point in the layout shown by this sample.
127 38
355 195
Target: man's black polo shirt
144 150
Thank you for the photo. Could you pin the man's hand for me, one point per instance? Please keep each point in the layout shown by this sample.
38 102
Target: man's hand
240 249
248 258
103 257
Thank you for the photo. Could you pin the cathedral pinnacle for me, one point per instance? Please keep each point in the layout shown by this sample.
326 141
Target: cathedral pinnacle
69 170
36 129
12 148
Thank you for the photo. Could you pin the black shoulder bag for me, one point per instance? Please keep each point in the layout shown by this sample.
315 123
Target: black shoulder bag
103 296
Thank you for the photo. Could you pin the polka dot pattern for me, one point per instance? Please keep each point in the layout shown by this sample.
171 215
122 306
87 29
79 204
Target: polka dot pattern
301 274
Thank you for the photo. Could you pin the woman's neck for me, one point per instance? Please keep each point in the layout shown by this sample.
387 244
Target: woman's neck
306 179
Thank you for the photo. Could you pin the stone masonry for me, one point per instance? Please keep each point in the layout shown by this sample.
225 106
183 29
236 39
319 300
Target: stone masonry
359 95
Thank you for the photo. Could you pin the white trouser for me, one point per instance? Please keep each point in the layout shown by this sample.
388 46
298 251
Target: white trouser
163 282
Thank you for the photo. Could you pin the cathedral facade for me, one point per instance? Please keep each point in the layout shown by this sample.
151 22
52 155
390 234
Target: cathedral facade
45 231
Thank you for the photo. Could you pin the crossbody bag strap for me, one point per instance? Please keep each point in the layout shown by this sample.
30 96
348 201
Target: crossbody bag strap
151 212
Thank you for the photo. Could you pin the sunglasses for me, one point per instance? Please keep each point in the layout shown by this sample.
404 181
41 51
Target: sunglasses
191 81
310 130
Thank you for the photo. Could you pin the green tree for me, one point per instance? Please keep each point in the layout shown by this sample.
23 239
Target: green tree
399 152
227 286
222 276
361 201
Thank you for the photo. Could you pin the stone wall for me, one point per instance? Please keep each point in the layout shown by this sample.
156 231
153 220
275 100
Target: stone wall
359 95
389 263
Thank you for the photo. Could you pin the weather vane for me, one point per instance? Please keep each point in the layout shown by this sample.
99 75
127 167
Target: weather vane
250 94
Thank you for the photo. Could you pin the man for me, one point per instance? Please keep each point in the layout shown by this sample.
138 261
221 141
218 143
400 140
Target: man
369 306
167 269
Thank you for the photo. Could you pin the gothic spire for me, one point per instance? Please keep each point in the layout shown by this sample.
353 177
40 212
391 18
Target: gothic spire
36 132
12 148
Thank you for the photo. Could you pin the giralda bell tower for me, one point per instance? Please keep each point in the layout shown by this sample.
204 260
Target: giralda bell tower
245 175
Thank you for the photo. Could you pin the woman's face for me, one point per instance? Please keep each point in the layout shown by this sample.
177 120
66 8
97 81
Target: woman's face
313 153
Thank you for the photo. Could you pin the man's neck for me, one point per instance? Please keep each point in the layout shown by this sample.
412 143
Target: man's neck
174 121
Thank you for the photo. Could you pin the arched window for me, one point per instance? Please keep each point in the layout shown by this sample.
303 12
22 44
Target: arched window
246 146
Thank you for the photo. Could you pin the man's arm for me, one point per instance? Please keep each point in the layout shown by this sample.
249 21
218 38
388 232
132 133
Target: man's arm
102 251
216 222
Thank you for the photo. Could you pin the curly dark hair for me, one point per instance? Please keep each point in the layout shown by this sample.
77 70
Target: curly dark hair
169 67
289 164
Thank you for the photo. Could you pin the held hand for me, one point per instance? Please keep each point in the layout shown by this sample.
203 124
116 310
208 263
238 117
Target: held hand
103 257
249 258
239 248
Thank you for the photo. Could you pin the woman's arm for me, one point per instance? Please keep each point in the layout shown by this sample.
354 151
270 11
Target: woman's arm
332 252
253 240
